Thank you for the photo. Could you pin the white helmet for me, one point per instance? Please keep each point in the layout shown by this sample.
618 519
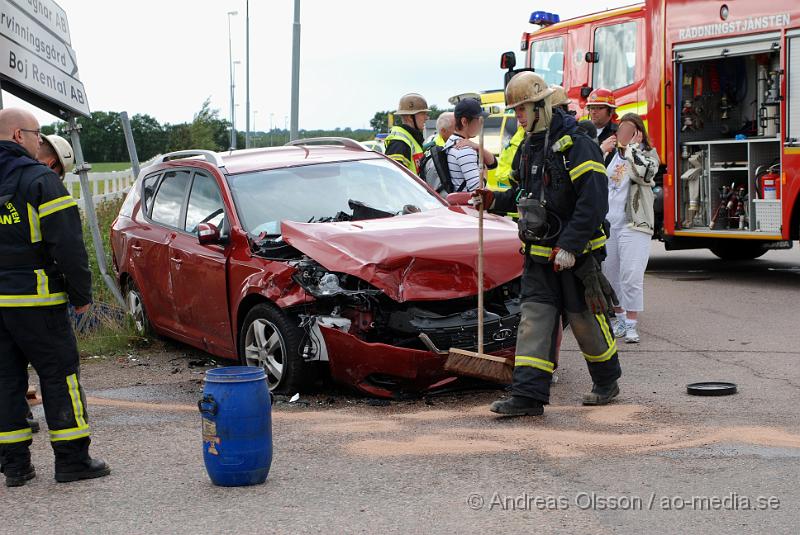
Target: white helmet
62 148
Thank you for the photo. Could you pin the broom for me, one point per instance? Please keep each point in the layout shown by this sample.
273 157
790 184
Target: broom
460 361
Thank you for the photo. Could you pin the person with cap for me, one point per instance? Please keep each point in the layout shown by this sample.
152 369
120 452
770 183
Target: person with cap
43 266
462 153
601 105
404 142
562 199
56 153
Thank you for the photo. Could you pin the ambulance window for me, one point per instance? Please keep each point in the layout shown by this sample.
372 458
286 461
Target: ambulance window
547 59
616 48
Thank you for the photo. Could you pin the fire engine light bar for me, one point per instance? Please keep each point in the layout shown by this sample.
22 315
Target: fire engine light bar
543 18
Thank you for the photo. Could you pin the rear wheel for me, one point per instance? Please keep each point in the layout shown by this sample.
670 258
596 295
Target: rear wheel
739 251
133 298
270 340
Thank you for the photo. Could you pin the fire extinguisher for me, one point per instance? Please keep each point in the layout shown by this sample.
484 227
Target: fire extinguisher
769 184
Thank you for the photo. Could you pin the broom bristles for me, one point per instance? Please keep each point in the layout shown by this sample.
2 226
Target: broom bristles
486 367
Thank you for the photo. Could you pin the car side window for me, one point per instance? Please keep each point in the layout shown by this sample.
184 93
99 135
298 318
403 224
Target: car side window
170 197
148 192
205 203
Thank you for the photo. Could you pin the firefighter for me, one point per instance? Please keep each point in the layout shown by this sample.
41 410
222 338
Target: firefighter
404 142
601 105
562 201
56 153
560 99
43 265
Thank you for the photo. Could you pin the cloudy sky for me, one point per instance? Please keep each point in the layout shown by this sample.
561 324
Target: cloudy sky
165 57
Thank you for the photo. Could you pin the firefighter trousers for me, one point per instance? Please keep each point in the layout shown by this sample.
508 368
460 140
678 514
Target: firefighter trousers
43 337
546 295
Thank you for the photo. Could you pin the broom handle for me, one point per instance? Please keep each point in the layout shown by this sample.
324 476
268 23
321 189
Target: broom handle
480 245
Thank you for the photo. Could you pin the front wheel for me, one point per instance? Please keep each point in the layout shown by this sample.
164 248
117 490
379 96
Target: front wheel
270 340
133 298
739 251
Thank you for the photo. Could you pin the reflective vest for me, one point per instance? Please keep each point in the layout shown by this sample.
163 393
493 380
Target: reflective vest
439 140
397 133
505 161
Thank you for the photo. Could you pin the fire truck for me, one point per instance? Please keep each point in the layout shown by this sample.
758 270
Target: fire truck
718 84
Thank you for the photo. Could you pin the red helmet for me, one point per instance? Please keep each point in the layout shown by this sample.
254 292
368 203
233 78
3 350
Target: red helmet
602 97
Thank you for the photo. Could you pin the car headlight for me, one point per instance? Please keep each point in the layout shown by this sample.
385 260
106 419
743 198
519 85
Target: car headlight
329 285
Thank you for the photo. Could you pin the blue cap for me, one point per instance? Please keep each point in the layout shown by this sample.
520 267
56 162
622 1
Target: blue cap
469 108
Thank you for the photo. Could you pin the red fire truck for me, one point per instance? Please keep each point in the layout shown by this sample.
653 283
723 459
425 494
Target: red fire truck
718 84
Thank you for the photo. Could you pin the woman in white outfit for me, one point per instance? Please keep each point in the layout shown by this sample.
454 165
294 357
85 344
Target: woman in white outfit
631 175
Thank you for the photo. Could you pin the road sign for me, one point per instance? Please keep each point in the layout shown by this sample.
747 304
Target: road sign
37 62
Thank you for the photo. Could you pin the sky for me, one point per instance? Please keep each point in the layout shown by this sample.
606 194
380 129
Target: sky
164 58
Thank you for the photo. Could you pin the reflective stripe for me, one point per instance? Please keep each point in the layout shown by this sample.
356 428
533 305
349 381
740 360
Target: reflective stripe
69 434
55 205
77 404
58 298
538 250
562 144
41 282
585 167
533 362
595 244
610 340
402 160
545 252
33 222
18 435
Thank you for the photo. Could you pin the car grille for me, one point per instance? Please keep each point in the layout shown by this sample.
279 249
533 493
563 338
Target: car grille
498 334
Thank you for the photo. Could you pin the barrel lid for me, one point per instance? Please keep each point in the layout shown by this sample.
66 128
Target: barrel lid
235 374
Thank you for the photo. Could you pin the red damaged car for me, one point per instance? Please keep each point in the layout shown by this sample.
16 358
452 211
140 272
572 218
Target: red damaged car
318 252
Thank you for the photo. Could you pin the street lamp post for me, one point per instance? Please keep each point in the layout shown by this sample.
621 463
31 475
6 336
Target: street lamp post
247 70
295 70
255 112
271 129
230 60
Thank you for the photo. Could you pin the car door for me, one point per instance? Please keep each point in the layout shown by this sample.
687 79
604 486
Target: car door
151 248
199 272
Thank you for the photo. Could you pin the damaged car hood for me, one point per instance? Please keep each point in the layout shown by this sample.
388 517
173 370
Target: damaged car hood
422 256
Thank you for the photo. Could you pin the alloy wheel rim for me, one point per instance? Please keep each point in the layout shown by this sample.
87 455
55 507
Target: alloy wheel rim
136 310
264 347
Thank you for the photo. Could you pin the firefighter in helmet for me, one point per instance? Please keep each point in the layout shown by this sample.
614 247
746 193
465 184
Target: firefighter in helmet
43 266
561 194
601 105
559 99
56 153
404 142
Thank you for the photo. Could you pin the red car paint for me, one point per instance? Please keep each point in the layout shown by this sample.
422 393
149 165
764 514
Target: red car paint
200 294
422 256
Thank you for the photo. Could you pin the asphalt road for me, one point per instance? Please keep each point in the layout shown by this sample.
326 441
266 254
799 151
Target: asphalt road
657 461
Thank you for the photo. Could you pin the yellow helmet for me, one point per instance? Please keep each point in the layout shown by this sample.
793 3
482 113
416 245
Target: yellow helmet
526 87
559 97
411 104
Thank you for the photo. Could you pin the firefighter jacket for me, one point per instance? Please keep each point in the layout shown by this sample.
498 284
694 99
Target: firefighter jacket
404 145
43 259
569 175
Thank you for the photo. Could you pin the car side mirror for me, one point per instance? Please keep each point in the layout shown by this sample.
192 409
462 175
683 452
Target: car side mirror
459 198
592 57
207 234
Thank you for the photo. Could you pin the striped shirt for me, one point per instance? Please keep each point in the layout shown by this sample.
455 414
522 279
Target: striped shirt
463 164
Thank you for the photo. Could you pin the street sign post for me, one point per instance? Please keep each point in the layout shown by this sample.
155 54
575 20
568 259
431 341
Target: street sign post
37 62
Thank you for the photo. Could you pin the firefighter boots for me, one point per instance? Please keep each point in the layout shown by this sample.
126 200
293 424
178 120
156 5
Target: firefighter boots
601 395
73 462
518 406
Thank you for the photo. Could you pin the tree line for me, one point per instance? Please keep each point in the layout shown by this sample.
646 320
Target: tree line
103 140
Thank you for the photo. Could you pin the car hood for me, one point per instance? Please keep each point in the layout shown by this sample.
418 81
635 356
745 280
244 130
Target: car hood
428 255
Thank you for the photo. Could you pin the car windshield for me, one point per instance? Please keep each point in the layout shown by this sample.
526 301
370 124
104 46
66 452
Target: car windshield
341 191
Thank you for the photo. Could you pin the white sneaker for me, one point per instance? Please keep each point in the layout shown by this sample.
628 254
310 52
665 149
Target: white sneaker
618 326
631 334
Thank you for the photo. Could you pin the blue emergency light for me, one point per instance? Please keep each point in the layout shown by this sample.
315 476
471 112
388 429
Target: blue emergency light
543 18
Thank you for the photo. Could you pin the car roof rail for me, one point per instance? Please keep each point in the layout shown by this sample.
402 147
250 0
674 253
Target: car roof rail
344 141
210 156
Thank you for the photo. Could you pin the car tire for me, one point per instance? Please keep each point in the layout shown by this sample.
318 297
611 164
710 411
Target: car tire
133 299
739 251
269 339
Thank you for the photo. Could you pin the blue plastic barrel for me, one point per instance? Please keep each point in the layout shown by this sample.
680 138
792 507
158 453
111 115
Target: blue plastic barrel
237 426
